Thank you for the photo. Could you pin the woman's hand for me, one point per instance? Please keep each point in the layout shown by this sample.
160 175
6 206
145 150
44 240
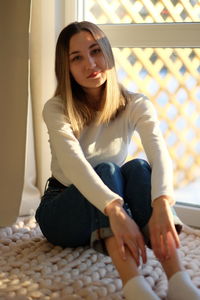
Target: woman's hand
161 225
126 232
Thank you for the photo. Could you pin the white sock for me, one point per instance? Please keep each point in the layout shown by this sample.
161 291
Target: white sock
181 287
137 288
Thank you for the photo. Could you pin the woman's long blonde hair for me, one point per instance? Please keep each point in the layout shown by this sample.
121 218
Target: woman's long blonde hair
114 97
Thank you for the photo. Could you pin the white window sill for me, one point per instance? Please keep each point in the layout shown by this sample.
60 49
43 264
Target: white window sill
189 194
188 204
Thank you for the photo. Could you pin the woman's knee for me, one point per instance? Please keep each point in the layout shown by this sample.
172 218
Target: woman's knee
138 167
111 175
106 167
140 163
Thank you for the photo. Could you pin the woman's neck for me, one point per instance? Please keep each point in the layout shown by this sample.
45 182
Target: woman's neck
94 97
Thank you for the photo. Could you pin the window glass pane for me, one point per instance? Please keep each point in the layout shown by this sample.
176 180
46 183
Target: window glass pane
170 79
141 11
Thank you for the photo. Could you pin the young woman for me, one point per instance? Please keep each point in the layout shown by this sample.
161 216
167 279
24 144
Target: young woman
93 196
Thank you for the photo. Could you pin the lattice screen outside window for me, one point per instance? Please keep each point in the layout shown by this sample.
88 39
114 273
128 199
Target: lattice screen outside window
170 77
142 11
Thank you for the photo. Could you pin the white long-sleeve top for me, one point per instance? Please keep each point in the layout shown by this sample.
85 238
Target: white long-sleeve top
73 159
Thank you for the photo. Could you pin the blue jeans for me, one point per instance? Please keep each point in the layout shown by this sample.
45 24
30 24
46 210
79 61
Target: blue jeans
67 219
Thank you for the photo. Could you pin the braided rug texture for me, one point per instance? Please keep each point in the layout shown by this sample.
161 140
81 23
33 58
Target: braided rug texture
31 268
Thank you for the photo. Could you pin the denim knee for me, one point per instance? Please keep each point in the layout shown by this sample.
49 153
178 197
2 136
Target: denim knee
111 175
106 167
137 175
137 172
138 164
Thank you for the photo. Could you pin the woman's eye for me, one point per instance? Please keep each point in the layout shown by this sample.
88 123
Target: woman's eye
96 51
76 58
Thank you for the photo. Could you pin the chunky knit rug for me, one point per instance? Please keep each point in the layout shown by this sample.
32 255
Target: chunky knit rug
32 268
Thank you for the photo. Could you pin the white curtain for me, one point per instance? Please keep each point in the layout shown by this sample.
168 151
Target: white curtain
48 17
44 22
31 195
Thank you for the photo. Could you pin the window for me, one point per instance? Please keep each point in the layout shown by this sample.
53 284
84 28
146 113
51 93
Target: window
157 49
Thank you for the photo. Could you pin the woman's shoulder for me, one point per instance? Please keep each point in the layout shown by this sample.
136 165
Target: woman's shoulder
54 102
53 111
139 104
53 105
136 100
136 97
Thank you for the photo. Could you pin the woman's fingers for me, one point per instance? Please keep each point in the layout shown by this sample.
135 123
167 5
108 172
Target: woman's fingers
142 247
121 247
165 245
127 234
175 236
155 243
133 248
137 248
165 241
160 243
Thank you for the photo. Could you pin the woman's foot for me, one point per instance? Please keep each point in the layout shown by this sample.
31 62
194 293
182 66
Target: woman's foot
137 288
181 287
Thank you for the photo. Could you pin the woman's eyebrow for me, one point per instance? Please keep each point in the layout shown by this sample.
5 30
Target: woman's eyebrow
78 51
74 52
93 45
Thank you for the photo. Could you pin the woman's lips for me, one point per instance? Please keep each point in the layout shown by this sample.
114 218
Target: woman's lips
94 74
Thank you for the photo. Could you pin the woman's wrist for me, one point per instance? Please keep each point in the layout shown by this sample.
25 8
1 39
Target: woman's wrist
161 201
113 207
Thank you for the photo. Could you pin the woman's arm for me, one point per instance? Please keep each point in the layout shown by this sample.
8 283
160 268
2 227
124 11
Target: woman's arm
161 222
143 118
70 158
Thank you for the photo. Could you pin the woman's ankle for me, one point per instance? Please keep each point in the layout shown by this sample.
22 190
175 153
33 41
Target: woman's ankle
181 287
137 288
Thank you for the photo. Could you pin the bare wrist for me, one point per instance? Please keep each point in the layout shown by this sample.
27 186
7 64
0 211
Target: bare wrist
160 201
113 207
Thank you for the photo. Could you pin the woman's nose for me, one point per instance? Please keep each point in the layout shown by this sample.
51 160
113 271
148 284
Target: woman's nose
90 62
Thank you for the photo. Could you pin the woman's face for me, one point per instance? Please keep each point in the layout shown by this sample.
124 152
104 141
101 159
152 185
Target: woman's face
86 61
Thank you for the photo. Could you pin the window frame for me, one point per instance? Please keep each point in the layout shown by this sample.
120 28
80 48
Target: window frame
157 35
151 35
